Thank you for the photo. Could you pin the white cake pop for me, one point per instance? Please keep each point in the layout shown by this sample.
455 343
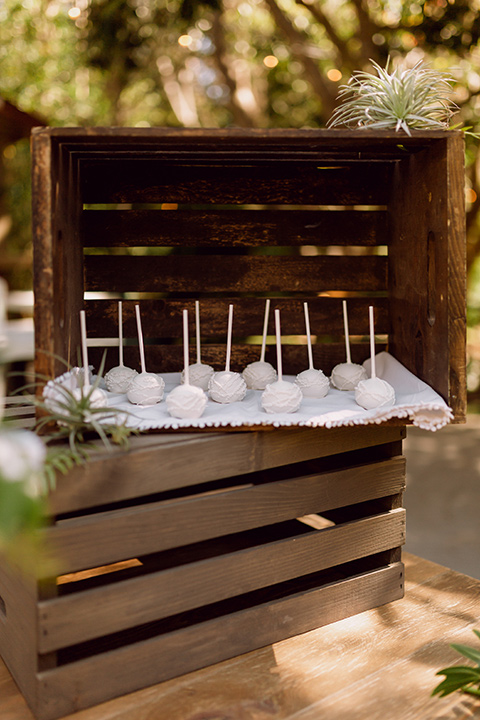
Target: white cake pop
199 373
145 388
259 374
118 379
227 386
347 375
186 401
281 396
96 397
313 383
374 392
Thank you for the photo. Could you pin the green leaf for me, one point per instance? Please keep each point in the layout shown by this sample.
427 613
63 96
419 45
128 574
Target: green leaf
456 678
468 652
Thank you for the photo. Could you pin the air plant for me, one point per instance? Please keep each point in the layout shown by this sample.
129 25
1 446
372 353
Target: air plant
401 99
70 410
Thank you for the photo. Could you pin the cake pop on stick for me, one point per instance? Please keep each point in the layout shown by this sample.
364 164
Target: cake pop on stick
259 374
313 383
281 396
227 386
347 375
374 392
145 388
199 372
186 401
96 396
118 379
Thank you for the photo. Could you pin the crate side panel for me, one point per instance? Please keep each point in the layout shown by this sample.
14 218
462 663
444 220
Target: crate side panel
72 619
426 277
109 536
159 463
18 637
86 682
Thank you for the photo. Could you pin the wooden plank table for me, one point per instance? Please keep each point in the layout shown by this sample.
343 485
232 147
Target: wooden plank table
378 665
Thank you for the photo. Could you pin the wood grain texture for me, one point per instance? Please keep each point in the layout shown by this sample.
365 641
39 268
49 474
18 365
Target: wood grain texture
428 311
242 274
141 180
407 642
162 317
169 358
110 536
68 620
18 642
107 477
179 652
226 228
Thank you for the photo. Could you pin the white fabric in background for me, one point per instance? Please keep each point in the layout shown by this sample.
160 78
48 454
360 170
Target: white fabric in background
415 401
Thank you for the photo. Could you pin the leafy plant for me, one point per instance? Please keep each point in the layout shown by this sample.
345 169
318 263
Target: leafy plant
461 677
402 99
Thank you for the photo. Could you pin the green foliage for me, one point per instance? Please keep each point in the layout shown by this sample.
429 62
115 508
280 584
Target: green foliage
461 677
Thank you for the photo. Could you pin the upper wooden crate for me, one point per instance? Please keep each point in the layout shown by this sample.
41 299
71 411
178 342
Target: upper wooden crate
166 216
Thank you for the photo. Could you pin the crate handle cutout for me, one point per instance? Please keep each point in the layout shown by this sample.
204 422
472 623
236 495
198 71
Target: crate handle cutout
3 609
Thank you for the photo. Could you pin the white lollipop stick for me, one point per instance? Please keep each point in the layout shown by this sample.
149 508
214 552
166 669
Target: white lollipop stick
265 329
197 324
185 348
229 338
347 336
140 338
279 343
83 331
309 337
120 334
372 340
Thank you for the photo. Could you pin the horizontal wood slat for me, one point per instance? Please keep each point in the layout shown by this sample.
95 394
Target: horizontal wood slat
130 228
117 535
163 317
85 682
169 358
153 181
107 477
68 620
242 274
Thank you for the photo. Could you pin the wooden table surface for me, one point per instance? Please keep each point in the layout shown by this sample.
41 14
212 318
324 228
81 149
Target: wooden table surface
379 665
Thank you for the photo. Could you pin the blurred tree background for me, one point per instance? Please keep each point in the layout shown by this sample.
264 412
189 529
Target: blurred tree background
218 63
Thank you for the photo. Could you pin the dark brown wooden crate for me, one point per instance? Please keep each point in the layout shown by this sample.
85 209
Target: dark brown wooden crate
294 215
164 571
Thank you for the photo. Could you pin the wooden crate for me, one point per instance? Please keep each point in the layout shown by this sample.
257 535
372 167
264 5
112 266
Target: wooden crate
165 216
188 550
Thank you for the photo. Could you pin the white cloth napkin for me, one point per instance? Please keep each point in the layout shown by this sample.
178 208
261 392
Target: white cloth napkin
415 401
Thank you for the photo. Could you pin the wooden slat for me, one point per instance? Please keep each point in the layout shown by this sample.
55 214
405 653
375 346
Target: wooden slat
107 477
194 274
163 317
131 228
220 183
119 534
169 358
85 682
68 620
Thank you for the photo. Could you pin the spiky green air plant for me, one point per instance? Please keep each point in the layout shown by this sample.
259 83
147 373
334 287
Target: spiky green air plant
402 99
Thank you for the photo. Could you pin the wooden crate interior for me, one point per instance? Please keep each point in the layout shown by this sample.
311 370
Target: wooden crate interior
164 217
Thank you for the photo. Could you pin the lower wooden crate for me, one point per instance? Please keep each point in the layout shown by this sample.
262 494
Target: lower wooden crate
194 557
